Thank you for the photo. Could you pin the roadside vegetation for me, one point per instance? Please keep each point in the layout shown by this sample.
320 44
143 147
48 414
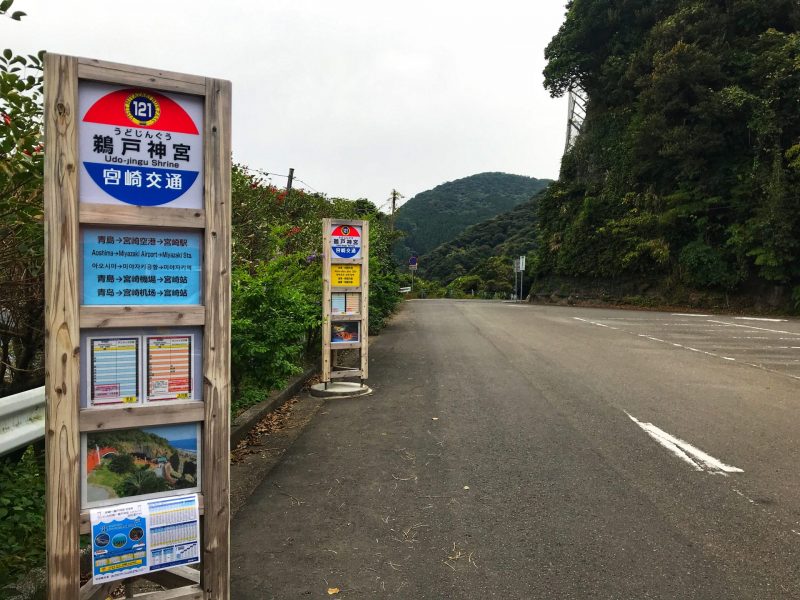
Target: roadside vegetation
686 175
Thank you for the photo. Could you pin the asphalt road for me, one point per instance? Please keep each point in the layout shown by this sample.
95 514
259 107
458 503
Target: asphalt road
517 451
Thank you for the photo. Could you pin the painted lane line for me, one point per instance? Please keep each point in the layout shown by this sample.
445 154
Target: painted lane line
650 337
761 319
596 323
752 327
713 355
690 454
688 315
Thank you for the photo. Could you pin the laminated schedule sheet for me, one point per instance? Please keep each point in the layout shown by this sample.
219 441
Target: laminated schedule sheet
169 367
114 370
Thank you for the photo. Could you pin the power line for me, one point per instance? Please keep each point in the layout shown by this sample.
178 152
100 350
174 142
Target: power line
266 174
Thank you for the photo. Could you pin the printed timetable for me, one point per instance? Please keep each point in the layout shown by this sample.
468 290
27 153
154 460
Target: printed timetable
114 370
174 532
169 367
127 366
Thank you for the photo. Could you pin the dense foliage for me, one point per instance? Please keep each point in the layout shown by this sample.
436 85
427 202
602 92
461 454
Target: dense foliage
21 231
480 258
277 289
438 215
687 170
21 515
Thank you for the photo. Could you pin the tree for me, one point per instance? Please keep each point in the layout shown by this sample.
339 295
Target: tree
21 210
141 482
121 463
685 169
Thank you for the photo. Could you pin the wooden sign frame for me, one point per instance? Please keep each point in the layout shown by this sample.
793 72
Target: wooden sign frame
65 317
330 370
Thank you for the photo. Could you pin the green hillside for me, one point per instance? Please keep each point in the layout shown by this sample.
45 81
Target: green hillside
475 251
436 216
687 172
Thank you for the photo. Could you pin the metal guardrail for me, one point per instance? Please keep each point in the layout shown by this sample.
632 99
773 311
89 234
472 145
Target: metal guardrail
21 419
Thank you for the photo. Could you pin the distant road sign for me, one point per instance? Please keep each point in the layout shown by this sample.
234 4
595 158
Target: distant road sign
412 261
521 263
405 290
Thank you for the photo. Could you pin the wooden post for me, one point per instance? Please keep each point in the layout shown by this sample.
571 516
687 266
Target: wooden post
62 335
365 301
326 300
217 342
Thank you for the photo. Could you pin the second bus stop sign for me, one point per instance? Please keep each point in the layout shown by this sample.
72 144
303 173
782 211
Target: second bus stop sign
346 241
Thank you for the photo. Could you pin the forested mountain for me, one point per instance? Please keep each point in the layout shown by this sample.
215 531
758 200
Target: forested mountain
687 171
507 236
438 215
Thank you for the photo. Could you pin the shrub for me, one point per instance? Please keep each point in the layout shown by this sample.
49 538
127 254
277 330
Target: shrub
21 515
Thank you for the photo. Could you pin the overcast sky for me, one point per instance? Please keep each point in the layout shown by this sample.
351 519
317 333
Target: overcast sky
358 96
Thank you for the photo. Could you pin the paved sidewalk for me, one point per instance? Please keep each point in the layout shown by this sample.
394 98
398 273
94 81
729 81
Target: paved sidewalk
359 501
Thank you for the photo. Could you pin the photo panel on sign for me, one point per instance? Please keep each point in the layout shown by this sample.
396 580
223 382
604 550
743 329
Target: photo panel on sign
138 365
139 147
131 266
345 332
140 463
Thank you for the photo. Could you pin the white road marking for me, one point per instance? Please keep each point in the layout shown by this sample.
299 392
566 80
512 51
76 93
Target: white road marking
761 319
596 323
688 315
752 327
748 498
692 455
712 354
650 337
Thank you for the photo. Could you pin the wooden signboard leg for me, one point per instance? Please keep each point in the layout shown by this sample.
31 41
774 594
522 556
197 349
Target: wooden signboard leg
326 301
216 343
62 335
365 304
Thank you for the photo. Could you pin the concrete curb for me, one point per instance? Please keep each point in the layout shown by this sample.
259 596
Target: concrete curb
242 424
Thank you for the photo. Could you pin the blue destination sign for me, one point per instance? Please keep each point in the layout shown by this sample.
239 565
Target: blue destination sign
141 266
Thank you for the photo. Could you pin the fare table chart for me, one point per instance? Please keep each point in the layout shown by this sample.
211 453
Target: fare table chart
138 281
345 297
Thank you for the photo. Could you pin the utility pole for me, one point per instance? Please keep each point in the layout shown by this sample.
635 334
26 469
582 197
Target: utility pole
289 182
395 197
